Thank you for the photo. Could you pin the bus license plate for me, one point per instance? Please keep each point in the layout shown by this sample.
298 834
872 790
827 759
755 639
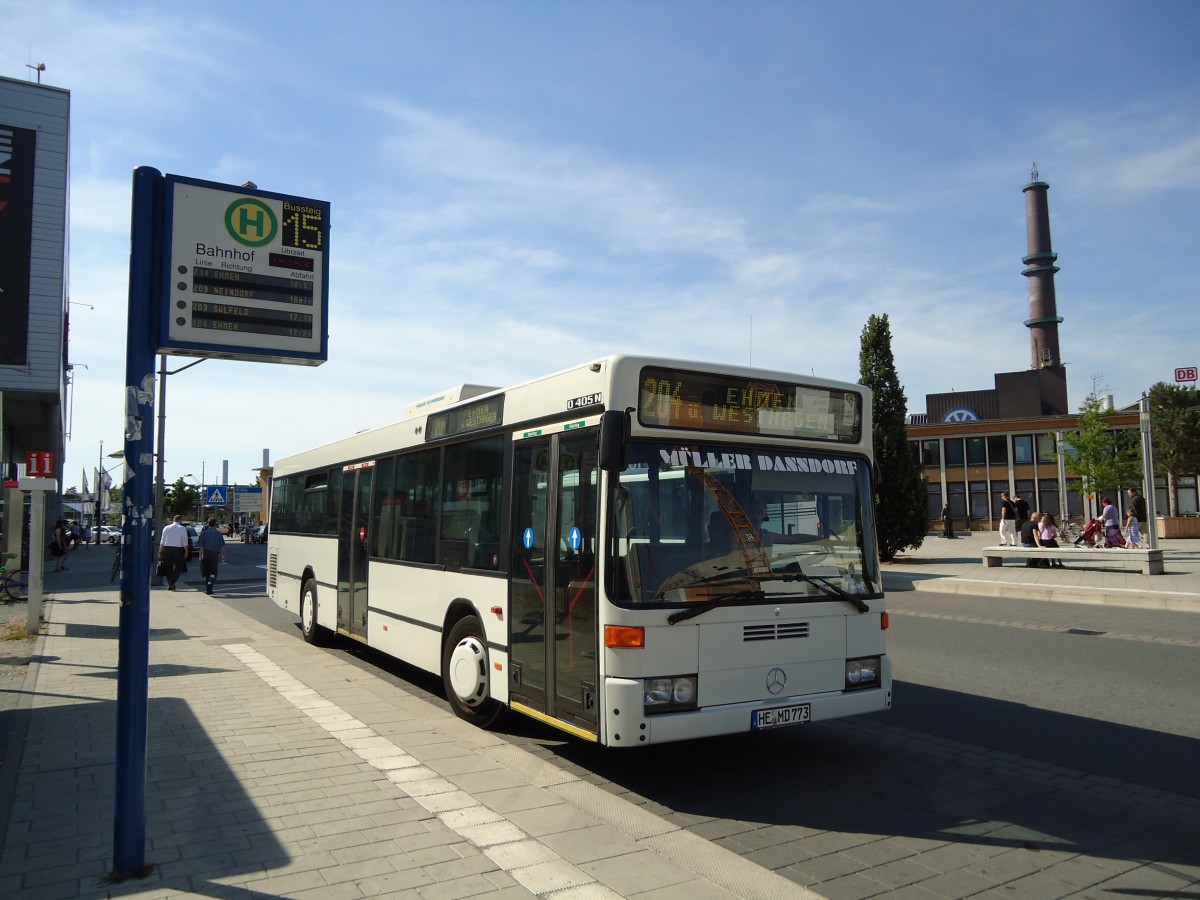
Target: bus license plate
780 716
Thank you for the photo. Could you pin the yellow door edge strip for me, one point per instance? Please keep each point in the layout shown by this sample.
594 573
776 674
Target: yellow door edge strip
555 723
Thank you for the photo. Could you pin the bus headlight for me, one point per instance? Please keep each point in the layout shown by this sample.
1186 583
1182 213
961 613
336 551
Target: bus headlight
862 673
669 694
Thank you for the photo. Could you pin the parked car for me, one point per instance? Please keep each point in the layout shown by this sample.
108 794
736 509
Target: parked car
193 538
109 534
258 534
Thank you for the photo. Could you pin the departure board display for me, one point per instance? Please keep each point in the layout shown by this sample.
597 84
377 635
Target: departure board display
247 274
725 403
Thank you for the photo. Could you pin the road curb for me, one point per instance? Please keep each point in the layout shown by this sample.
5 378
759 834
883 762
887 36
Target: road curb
1122 597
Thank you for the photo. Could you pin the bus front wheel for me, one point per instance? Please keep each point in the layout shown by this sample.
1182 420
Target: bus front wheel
313 633
465 673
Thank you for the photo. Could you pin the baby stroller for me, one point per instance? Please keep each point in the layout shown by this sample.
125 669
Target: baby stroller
1090 534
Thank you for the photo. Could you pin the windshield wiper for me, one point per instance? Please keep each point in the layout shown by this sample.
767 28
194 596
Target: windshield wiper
790 572
822 584
795 573
734 574
700 608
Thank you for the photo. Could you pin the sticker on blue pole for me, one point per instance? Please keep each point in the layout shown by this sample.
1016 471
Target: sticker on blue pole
575 539
527 539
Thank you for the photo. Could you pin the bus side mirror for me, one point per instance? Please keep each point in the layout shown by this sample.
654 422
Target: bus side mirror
614 434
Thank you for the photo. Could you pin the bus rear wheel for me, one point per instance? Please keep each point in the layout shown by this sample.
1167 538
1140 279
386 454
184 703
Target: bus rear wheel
313 633
465 674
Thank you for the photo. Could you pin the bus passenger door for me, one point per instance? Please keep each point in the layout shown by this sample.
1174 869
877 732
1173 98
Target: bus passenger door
553 640
354 516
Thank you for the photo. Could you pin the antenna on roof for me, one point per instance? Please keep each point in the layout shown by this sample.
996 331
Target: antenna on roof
39 68
1033 173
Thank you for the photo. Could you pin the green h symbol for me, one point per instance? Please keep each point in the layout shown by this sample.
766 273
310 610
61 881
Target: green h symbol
251 222
246 221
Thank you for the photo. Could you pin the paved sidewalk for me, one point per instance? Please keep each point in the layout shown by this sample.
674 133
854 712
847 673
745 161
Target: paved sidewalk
956 566
275 769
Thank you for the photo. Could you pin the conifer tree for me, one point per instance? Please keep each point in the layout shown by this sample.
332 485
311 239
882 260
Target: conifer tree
901 494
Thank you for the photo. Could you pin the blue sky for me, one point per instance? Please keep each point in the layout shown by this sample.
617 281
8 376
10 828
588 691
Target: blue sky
517 187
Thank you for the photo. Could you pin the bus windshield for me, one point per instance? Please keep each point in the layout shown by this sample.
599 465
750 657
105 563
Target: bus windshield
706 521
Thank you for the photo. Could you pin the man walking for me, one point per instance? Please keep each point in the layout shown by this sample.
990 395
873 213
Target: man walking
212 546
1008 521
1022 508
173 550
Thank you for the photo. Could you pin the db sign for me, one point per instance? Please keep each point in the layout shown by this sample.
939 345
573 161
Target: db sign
39 464
1186 374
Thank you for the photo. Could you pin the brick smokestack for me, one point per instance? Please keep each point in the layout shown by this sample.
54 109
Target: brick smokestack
1043 318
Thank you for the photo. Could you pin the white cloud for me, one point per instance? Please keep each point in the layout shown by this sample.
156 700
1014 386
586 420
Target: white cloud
1174 167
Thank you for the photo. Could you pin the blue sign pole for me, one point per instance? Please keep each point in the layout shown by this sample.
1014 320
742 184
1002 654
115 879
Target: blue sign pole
133 660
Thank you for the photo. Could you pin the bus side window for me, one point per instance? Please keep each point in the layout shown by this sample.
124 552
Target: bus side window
458 528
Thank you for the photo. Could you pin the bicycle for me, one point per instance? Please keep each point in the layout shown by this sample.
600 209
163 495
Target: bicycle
116 569
14 586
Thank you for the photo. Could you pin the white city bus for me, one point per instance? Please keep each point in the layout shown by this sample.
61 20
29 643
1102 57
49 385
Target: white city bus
634 550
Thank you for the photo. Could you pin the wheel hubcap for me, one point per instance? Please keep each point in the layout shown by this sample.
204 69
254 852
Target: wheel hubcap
468 671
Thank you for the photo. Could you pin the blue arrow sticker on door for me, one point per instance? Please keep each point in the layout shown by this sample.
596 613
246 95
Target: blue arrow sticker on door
575 539
527 539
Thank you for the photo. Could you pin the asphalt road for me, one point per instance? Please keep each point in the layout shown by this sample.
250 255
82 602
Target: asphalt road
1102 705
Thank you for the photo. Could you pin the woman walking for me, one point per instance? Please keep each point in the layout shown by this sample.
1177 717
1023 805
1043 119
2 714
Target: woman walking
1112 525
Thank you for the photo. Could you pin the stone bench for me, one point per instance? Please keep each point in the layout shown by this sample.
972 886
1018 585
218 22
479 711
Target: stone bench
1150 562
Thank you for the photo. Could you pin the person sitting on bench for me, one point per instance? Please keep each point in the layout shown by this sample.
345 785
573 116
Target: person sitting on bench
1029 539
1047 535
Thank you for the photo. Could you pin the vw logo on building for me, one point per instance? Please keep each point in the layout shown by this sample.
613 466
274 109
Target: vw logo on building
776 680
961 414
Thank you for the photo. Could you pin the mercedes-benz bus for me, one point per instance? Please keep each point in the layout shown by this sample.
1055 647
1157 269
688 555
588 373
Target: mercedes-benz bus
634 550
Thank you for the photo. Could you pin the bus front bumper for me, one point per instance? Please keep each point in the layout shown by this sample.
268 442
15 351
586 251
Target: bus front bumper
629 726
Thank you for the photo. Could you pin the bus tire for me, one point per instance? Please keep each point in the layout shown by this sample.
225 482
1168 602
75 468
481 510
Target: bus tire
313 633
465 674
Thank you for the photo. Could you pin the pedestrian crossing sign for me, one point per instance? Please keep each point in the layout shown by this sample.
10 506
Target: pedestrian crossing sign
216 496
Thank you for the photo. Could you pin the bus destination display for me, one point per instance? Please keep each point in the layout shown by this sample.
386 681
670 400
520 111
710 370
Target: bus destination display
483 414
247 274
725 403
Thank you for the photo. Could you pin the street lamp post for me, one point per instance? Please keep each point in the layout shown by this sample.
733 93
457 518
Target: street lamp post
1151 537
96 521
160 459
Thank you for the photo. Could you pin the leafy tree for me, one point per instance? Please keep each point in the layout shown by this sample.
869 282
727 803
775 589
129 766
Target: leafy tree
1175 432
901 493
1100 457
180 499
